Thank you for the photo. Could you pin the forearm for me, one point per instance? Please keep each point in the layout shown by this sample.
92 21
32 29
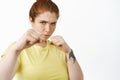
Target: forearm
8 64
74 70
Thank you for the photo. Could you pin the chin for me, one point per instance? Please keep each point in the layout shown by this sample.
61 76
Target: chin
46 38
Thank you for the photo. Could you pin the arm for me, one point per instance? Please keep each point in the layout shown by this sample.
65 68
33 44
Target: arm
8 65
74 70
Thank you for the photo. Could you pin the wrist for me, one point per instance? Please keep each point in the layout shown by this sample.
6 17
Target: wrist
68 51
15 50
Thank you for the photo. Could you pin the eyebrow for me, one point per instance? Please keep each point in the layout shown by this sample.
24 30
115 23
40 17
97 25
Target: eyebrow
54 22
47 21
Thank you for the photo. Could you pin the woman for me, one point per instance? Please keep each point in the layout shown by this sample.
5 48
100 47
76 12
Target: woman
34 57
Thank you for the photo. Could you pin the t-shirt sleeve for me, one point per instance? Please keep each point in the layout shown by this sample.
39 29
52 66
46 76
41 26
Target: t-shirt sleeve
7 50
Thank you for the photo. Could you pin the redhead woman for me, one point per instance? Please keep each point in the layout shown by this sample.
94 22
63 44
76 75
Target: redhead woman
34 57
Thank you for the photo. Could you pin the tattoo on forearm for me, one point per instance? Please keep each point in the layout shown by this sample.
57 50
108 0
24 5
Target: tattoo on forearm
71 55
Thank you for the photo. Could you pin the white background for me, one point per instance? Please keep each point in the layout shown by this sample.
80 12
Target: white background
91 28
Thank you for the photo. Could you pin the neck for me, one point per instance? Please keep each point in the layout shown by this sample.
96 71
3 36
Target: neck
42 43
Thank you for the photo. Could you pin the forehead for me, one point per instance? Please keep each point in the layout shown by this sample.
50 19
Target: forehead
47 16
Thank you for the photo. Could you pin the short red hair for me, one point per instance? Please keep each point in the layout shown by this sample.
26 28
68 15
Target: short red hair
40 6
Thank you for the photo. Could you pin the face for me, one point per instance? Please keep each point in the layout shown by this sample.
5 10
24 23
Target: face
45 23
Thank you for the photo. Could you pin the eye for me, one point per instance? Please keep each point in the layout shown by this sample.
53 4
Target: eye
53 24
43 22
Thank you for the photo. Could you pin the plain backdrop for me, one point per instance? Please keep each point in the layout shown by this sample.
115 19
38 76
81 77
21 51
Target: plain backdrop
90 27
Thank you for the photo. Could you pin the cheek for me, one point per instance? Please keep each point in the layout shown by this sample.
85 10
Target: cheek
38 28
53 29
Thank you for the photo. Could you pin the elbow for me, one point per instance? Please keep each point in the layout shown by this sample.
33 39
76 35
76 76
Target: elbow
81 76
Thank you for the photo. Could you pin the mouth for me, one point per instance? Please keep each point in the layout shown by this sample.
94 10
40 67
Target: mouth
46 36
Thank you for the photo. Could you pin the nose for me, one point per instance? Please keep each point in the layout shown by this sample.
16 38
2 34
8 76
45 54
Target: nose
47 28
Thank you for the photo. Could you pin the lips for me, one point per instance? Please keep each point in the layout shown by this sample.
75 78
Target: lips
46 35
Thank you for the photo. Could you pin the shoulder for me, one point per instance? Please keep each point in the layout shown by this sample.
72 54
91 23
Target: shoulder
8 48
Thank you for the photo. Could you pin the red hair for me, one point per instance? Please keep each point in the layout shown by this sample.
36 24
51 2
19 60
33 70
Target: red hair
41 6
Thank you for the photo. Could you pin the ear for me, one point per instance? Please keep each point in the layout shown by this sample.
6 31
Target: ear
30 19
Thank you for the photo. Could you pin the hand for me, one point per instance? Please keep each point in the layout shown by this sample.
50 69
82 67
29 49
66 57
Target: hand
28 39
60 43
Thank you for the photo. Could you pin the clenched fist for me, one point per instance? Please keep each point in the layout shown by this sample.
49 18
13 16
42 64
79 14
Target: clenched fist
29 38
60 43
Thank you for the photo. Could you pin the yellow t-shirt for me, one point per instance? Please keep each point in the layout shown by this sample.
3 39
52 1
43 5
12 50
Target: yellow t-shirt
37 63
